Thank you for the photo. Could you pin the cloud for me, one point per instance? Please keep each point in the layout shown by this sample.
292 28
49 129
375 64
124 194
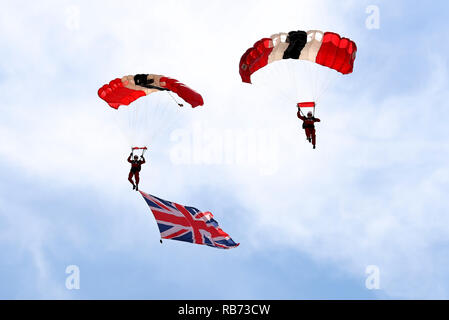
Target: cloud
372 193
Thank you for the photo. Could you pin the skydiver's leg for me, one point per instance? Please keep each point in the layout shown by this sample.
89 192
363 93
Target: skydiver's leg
137 178
313 138
308 134
130 179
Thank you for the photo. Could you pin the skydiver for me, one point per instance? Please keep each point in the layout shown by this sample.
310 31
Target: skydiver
136 166
308 125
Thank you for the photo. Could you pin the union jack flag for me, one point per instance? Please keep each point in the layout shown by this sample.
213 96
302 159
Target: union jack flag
187 224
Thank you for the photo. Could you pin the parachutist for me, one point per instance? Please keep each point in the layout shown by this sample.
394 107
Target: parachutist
308 125
136 166
327 49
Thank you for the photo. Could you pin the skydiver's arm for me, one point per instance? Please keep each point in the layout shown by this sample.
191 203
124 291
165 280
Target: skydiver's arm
143 160
300 116
316 120
129 158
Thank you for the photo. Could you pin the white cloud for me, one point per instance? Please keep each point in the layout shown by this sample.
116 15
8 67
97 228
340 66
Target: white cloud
372 193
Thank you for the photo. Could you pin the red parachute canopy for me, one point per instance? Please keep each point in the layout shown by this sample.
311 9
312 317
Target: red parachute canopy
324 48
129 88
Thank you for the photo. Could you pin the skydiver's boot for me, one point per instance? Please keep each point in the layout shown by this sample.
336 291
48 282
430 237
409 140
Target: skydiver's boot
137 187
314 146
134 187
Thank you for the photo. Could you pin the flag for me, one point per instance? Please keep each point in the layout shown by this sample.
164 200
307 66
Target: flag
183 223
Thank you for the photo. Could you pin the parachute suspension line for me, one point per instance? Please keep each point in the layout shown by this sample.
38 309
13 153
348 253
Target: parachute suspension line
174 120
312 84
279 72
272 73
327 83
167 118
332 80
156 116
315 81
130 121
159 115
274 81
281 69
142 117
146 117
314 76
271 78
291 72
162 114
157 127
174 99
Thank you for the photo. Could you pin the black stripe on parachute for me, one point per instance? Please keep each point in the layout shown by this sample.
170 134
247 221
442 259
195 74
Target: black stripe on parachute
297 40
143 81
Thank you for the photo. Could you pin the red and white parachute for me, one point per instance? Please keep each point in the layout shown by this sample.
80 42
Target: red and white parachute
321 48
144 119
129 88
325 48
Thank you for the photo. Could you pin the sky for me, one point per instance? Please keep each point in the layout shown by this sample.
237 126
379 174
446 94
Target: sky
311 223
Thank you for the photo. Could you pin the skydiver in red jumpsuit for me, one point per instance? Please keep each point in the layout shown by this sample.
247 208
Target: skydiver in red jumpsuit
136 166
309 126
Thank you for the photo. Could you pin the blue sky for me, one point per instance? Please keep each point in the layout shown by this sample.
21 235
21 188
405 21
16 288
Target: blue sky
309 221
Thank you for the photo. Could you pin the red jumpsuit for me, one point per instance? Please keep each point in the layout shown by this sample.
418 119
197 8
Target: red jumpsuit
136 166
309 126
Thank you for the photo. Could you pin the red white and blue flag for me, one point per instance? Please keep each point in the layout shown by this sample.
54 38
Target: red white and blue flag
178 222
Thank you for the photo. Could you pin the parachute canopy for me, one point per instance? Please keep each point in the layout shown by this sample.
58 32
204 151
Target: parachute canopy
324 48
129 88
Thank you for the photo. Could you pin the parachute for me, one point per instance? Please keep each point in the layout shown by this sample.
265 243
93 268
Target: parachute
130 88
146 119
324 48
309 80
